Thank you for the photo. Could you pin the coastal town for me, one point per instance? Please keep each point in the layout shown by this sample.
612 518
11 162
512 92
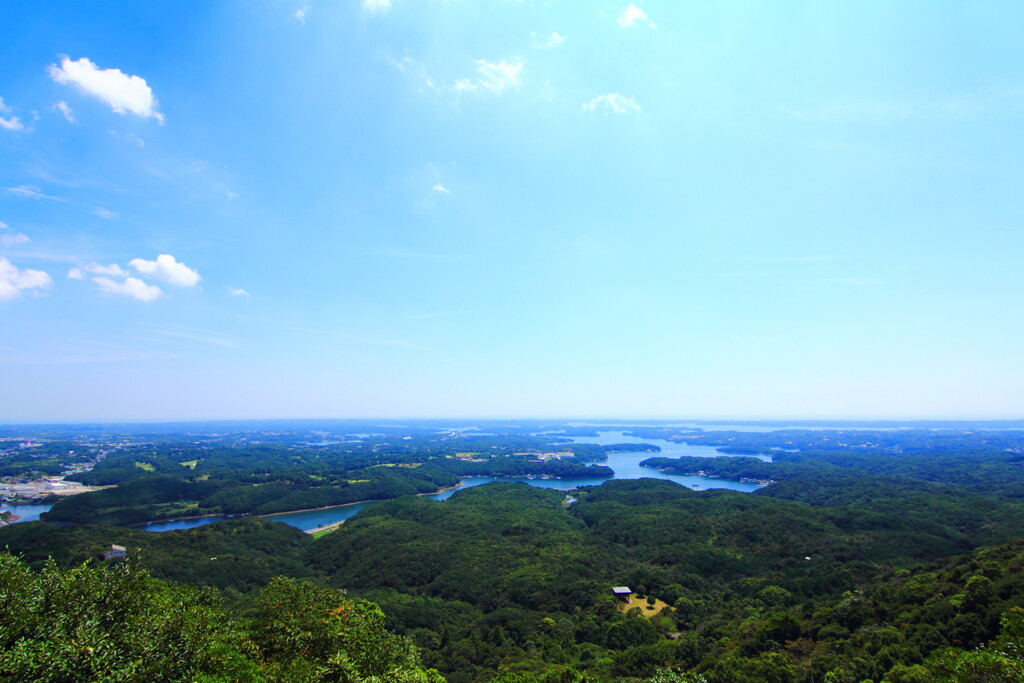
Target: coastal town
36 471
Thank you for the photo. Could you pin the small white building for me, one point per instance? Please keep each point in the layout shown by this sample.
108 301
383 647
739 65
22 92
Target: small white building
116 551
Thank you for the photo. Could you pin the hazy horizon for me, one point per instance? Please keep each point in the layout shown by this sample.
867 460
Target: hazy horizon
236 210
614 421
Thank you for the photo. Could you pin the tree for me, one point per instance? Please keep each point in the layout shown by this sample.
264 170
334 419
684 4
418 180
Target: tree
113 622
308 633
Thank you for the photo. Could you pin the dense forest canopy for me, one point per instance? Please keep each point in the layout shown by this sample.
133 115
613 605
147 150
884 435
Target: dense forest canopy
871 559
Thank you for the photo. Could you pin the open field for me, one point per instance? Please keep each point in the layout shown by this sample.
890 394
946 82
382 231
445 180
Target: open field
640 602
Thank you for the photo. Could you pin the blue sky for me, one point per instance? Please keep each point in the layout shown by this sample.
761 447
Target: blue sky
345 208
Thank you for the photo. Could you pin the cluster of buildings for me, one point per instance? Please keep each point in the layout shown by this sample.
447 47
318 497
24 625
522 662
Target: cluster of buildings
20 490
537 456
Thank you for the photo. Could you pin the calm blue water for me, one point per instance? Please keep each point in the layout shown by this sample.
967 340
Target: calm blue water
28 513
625 466
669 449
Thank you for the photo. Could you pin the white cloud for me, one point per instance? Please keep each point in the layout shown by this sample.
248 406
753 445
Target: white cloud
494 76
64 109
166 269
546 42
375 6
14 281
620 104
210 337
438 187
16 238
130 286
3 226
300 14
632 15
112 270
10 122
104 213
500 76
32 192
123 93
76 274
237 292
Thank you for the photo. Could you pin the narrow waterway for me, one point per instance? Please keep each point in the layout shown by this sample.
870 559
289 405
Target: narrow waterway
624 465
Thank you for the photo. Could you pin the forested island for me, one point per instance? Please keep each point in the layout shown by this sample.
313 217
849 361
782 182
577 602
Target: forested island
868 558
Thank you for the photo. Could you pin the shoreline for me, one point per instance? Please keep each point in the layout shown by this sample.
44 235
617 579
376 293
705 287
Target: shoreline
140 525
358 502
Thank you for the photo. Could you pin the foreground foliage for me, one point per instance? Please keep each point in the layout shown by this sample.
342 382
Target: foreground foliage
113 622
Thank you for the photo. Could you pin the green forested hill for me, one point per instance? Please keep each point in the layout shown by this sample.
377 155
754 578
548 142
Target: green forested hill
497 545
240 554
508 583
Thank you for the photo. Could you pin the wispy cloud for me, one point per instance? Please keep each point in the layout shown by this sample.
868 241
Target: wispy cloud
74 351
322 333
104 213
380 342
9 122
93 268
546 42
121 92
496 77
192 334
32 192
438 187
9 240
65 111
233 291
300 14
633 15
619 104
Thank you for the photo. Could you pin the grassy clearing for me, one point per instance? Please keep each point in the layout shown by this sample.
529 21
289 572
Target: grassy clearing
323 532
145 466
191 464
640 602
